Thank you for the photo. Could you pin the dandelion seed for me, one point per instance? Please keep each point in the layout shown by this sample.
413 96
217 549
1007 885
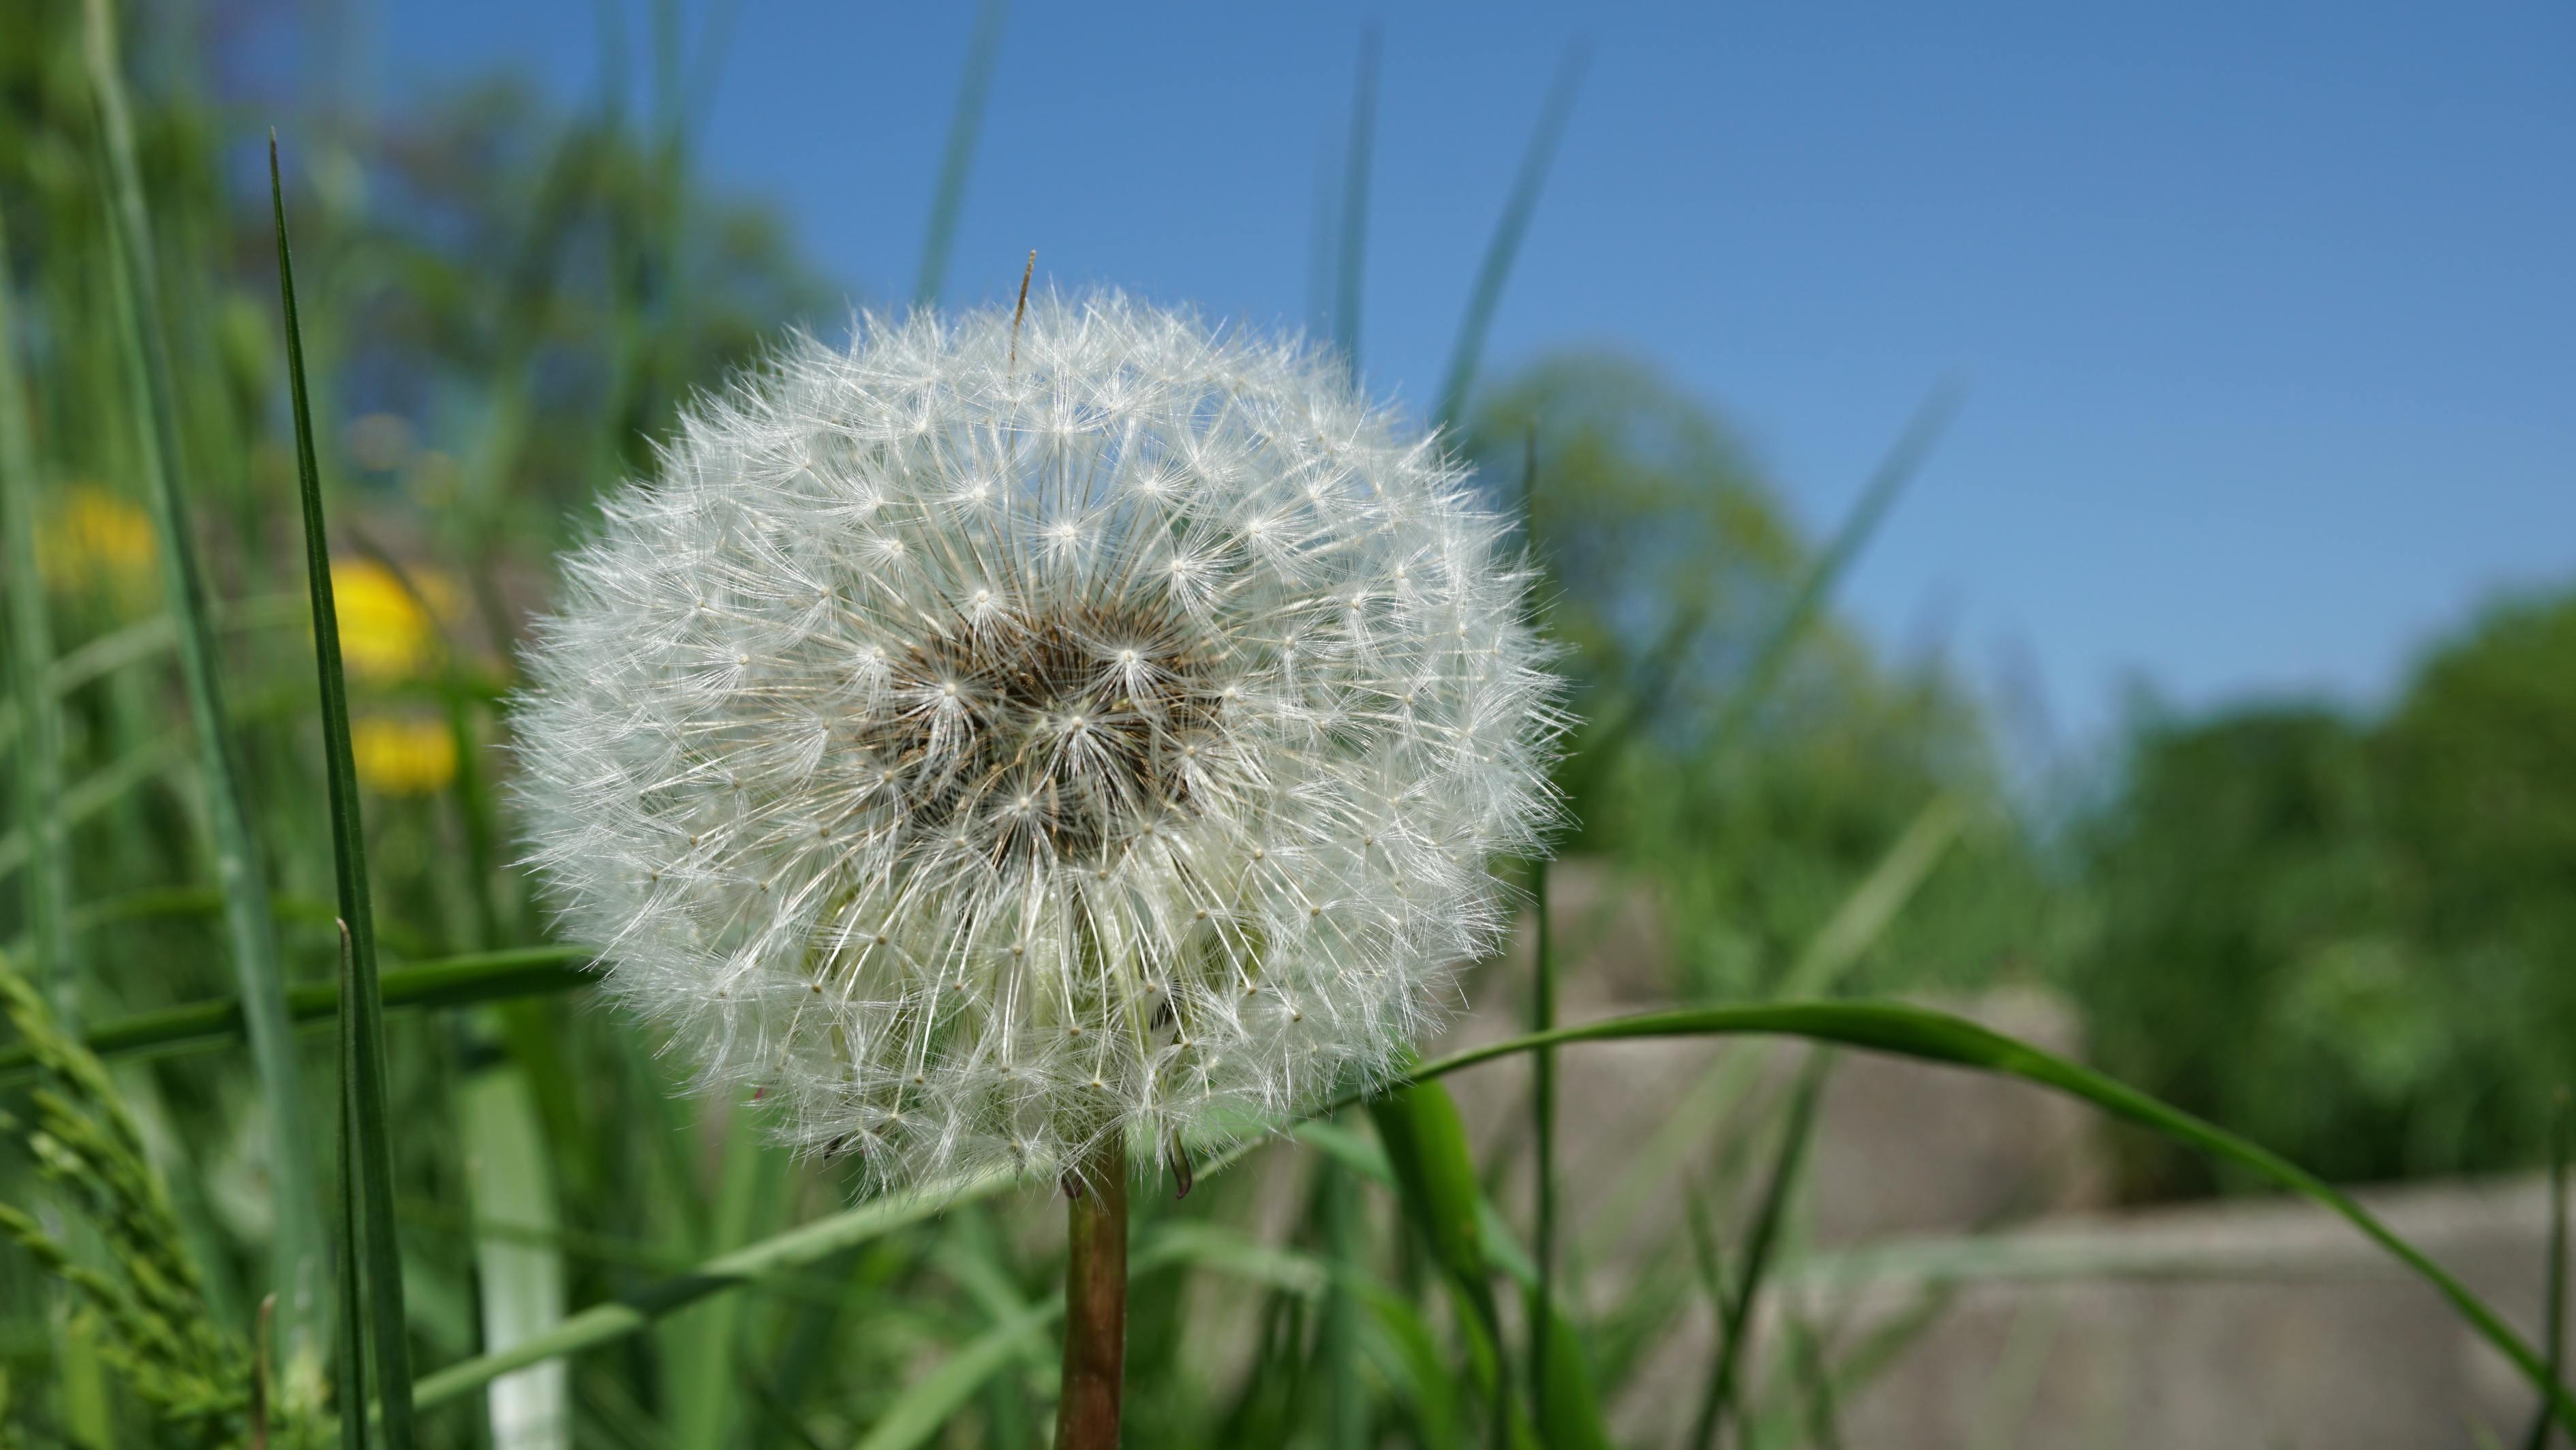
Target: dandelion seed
1133 680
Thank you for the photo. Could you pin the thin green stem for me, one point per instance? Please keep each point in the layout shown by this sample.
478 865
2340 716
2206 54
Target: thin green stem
1095 1300
1505 244
361 990
1355 201
1543 1125
973 90
296 1260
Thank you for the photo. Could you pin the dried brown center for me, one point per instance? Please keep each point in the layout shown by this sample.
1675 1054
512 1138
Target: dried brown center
1057 737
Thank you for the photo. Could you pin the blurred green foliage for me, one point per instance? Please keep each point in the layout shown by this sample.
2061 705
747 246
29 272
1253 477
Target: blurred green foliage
2353 938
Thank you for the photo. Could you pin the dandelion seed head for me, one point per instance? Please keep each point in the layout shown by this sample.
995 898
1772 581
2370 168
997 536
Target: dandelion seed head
956 746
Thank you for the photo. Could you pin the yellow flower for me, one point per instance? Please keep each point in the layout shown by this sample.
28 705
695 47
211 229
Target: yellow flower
95 541
385 632
400 755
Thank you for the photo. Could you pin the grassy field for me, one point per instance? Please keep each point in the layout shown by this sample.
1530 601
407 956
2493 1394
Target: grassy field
258 1168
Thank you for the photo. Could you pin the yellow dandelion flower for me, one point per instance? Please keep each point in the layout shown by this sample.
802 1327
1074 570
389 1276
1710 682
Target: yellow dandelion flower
386 633
94 541
401 755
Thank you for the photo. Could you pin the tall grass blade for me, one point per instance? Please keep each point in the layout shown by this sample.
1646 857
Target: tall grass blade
703 1348
349 1365
1770 1212
362 1004
1509 228
1928 1036
1816 586
1346 1405
31 659
974 90
239 869
1435 1179
794 1249
1543 1133
1356 159
1828 956
522 1282
2562 1141
1568 1414
447 982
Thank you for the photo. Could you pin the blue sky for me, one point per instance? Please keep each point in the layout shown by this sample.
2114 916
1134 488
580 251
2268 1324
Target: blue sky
2268 313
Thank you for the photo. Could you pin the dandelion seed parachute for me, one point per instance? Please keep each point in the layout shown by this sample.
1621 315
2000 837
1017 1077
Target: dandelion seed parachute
986 746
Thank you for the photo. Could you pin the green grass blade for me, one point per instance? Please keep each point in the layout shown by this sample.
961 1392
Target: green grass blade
703 1349
1435 1180
1828 956
1817 585
929 1403
1915 1032
239 870
349 1365
361 997
974 90
1568 1412
522 1282
1349 274
794 1249
1346 1406
1543 1134
2562 1141
1509 228
1760 1245
461 981
31 658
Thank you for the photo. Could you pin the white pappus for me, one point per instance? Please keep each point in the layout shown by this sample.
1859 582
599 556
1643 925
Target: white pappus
1008 732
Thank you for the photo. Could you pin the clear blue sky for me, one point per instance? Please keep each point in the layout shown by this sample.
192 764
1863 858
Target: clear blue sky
2268 311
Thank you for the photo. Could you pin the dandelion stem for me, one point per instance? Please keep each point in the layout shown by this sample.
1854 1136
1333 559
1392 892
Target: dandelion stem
1095 1302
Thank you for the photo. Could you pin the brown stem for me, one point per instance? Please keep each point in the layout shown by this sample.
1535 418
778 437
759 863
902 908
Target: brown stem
1095 1302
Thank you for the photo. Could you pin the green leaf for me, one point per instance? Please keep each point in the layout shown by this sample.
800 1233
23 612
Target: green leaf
447 982
1509 228
361 993
974 89
522 1276
794 1249
1435 1179
1736 1305
239 869
1929 1036
1355 205
1569 1413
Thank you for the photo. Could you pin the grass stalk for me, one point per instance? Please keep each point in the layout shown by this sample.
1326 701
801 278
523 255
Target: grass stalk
460 981
974 91
1761 1244
1350 273
1505 245
361 1000
1095 1301
239 870
1543 1130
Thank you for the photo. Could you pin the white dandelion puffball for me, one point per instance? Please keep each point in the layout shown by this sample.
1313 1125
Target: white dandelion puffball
1001 735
